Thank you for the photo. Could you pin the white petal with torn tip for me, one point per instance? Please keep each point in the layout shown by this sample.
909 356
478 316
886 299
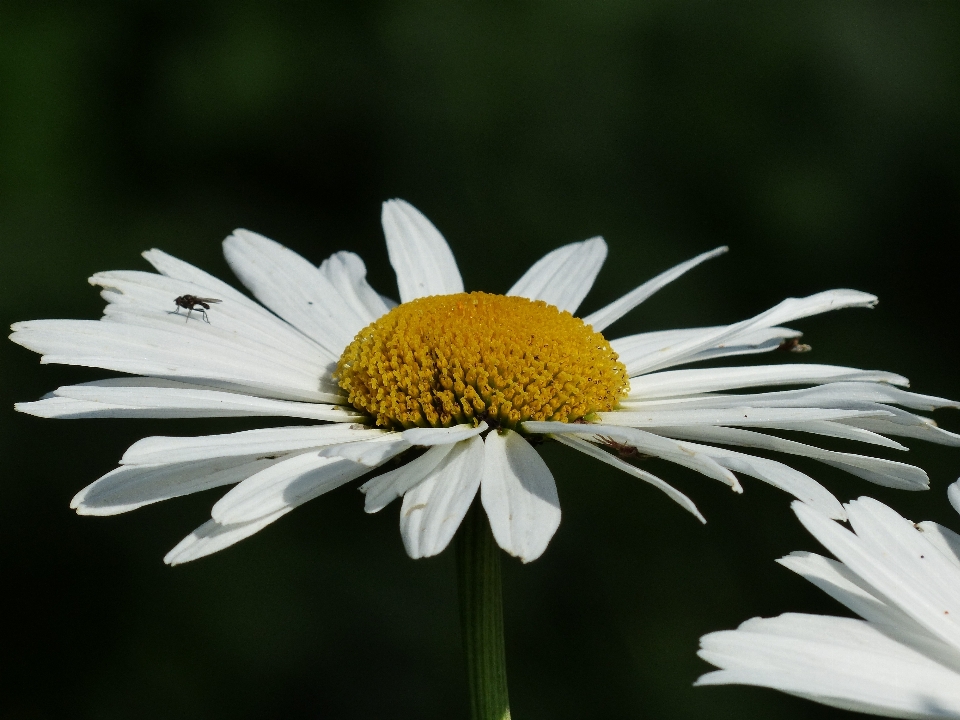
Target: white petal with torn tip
384 489
418 253
608 315
133 486
289 483
564 276
442 436
293 288
519 495
213 537
248 442
433 510
593 451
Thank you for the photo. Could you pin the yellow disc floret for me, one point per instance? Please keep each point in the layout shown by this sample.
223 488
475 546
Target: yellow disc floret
450 359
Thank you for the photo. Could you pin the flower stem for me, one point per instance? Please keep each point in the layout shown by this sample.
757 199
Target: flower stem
481 617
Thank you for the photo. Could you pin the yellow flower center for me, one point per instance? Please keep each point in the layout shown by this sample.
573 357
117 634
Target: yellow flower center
450 359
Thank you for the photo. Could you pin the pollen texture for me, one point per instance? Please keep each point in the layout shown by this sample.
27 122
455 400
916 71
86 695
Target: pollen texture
450 359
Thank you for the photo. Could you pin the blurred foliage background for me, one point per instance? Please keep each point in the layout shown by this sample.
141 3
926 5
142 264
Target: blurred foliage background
818 139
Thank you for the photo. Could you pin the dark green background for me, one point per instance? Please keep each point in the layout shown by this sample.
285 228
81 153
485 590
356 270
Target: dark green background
818 140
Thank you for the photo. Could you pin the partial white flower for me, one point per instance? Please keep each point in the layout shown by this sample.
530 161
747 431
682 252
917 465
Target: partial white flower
902 660
445 395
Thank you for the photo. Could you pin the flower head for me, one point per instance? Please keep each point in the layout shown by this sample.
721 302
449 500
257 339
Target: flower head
901 660
453 389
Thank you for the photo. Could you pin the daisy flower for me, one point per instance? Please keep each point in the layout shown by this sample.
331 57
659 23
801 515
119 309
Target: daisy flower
901 660
445 395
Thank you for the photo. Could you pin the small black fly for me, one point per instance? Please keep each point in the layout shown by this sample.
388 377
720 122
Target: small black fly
191 303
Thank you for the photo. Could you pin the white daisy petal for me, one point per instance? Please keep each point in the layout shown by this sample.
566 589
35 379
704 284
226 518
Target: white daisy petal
293 288
288 483
789 309
588 448
801 486
944 539
433 510
348 275
418 253
184 353
249 442
953 494
384 489
148 299
371 453
921 583
638 351
212 537
564 276
839 394
847 588
606 316
177 269
841 662
133 486
736 416
677 383
839 429
155 398
442 436
902 426
519 495
646 443
877 470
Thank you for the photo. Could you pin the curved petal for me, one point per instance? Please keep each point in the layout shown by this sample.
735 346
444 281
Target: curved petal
348 275
433 510
420 256
606 316
953 495
564 276
213 537
786 311
588 448
384 489
519 495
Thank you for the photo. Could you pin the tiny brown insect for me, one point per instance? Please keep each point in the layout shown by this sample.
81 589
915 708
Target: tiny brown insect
622 449
191 303
793 345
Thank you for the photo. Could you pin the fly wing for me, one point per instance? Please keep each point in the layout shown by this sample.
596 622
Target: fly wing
207 300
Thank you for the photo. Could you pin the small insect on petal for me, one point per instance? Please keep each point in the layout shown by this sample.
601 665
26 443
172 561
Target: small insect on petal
191 303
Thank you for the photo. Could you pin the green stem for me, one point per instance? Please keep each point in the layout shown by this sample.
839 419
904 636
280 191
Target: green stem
481 616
